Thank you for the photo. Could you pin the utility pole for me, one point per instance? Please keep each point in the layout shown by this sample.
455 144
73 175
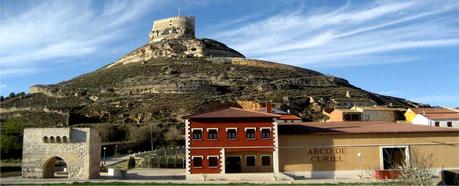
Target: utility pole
151 137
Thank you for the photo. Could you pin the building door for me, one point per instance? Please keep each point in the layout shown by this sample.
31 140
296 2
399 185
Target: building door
233 165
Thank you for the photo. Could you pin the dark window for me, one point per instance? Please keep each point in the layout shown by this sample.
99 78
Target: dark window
231 133
449 124
58 139
213 161
437 124
250 161
197 161
265 160
393 157
250 133
212 133
197 134
45 139
51 139
266 133
64 139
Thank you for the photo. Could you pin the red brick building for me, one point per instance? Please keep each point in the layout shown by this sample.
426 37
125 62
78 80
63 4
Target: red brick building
231 140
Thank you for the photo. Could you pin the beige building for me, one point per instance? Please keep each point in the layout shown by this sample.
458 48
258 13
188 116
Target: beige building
72 153
337 115
379 113
318 150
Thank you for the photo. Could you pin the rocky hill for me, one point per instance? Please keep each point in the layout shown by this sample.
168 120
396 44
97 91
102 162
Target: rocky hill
169 78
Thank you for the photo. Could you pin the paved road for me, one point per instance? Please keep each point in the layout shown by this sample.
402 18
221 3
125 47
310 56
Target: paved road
161 175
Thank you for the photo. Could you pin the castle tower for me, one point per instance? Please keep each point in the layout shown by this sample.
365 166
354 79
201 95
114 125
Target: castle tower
171 28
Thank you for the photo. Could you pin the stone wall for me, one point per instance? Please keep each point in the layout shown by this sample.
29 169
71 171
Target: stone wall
78 147
173 27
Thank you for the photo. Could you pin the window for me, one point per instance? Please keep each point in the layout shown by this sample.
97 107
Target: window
449 124
197 133
212 133
213 161
250 161
51 139
45 139
58 139
265 160
250 133
266 133
437 124
197 162
231 133
64 139
393 157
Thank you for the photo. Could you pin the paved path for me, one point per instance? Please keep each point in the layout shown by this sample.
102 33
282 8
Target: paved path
162 175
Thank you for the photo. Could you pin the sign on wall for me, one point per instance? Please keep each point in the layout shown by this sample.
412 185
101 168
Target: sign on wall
326 154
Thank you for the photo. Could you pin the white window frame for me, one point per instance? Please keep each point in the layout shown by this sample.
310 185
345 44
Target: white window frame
254 128
254 156
270 135
270 160
381 155
212 129
196 129
192 159
213 156
235 128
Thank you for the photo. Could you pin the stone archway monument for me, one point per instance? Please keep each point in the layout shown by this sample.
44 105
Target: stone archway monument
79 148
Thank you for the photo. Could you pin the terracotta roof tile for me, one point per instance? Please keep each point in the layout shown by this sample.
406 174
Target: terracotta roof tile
233 112
443 115
357 128
289 117
432 110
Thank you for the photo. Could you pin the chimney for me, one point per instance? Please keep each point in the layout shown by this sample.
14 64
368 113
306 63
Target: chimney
269 107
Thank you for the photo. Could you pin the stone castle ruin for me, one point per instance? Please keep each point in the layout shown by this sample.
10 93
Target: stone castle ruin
172 28
174 37
61 152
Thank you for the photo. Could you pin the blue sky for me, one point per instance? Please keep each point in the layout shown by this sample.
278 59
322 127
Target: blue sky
408 49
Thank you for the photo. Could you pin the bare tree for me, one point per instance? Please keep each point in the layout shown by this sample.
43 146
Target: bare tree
418 171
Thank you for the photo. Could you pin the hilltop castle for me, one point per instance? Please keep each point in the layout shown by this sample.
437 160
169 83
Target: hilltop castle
171 28
174 37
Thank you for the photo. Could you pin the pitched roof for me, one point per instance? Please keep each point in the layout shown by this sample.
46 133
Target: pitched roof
233 112
380 108
289 117
443 116
326 128
432 110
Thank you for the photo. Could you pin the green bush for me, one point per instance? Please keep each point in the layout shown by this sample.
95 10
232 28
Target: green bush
11 139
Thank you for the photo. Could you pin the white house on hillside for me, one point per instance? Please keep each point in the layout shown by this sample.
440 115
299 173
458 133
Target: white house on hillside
436 119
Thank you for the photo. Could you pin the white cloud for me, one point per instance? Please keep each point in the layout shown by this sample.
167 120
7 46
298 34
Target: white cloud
58 29
347 34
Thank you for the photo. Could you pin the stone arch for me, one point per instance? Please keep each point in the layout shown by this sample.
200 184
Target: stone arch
58 139
45 139
53 168
51 139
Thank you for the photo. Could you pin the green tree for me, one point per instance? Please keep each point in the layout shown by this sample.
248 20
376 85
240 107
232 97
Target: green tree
12 94
11 139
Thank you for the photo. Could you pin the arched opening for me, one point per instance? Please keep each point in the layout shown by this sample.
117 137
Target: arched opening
55 167
58 139
45 139
51 139
64 139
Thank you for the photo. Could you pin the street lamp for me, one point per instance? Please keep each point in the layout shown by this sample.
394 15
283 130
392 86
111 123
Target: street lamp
104 155
359 155
116 151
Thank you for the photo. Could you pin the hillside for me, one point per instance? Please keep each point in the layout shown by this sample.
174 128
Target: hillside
165 89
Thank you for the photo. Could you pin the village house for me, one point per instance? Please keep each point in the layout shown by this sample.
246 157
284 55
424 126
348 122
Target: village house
365 113
437 117
231 140
285 117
